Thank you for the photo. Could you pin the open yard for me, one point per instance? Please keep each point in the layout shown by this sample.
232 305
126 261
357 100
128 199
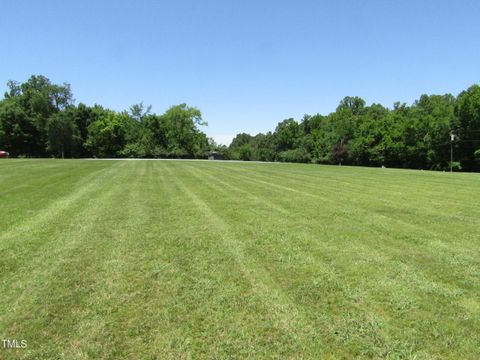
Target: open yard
192 259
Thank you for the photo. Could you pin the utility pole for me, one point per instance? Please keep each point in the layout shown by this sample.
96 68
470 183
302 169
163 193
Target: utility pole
341 151
452 139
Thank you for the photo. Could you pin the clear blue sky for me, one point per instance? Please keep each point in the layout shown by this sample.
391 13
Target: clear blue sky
245 64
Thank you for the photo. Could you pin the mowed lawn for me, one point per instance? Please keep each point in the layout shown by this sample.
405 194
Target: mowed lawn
197 259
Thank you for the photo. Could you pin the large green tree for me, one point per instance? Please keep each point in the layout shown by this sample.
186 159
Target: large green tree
18 134
36 100
184 136
287 135
108 135
63 135
468 126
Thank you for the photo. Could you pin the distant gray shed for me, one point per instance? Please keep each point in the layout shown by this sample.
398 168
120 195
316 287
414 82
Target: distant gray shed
214 155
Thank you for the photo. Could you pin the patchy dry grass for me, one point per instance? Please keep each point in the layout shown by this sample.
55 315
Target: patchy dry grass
166 259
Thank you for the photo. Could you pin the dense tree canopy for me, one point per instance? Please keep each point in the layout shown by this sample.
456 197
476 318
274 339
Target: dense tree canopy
416 136
39 118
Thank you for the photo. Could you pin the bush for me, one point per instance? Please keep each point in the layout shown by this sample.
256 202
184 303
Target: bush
455 165
294 156
243 152
477 154
134 150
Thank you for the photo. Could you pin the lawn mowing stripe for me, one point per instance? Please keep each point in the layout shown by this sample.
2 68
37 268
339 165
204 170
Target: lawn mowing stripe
378 221
394 176
22 249
367 212
303 255
53 226
402 186
199 174
285 313
332 182
359 204
436 285
127 284
60 280
49 198
369 190
22 178
49 213
179 265
116 311
230 276
235 304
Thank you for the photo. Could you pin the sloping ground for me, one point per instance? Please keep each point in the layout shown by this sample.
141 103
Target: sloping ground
165 259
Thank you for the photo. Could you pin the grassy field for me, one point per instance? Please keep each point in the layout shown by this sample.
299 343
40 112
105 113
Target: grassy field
184 259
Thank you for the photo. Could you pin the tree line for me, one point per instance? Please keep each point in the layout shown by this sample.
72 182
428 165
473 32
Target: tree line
40 119
417 136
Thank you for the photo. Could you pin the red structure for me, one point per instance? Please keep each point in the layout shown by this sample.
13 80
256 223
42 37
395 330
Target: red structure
4 154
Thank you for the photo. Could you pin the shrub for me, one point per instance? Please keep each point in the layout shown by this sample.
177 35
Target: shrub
294 156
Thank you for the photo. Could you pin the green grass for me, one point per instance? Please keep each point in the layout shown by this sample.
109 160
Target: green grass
184 259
